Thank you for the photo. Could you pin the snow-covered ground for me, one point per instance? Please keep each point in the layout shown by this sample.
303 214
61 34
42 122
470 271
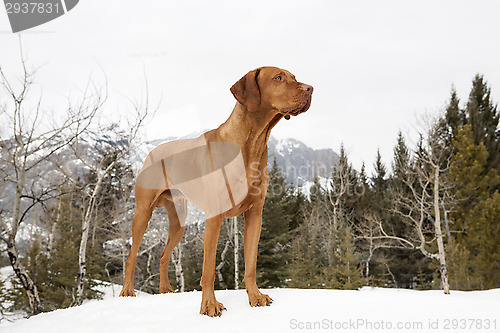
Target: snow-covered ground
293 310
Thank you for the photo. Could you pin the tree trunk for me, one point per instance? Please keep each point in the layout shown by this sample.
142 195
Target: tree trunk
148 269
27 283
392 275
236 252
179 271
439 234
219 267
50 247
82 267
370 253
124 257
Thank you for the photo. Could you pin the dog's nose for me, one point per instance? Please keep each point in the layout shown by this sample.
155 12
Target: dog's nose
307 88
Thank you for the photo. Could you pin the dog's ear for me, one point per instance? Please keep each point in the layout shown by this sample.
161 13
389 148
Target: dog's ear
246 91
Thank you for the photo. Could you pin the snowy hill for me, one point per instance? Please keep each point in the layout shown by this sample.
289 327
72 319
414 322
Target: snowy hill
367 310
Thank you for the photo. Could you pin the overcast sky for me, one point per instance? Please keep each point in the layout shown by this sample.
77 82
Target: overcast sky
376 66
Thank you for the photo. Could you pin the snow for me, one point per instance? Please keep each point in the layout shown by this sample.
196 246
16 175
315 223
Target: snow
366 310
324 182
4 273
287 145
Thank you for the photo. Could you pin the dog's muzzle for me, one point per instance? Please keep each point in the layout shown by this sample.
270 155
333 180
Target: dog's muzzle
303 106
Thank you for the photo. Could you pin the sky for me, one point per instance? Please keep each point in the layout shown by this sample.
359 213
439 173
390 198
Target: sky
376 66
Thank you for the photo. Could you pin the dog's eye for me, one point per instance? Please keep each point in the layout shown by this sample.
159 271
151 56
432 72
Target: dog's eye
278 78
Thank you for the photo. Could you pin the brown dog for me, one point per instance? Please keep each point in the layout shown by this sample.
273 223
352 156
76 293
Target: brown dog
264 96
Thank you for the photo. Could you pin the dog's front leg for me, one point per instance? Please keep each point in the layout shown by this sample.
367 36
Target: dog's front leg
253 224
209 304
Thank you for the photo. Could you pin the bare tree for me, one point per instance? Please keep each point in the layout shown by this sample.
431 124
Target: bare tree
236 252
114 145
370 228
231 239
31 143
342 185
343 182
435 164
179 270
418 203
218 268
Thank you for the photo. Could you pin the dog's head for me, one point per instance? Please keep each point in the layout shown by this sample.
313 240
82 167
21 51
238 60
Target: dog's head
272 88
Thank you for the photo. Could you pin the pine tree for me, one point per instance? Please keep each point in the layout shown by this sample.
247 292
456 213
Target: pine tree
346 270
449 124
296 206
468 172
317 195
422 280
483 117
379 178
475 246
3 298
401 160
484 245
374 270
304 269
459 265
345 190
364 196
454 116
275 234
403 263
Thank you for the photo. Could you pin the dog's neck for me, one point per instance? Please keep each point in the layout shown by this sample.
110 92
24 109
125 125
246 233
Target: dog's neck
250 130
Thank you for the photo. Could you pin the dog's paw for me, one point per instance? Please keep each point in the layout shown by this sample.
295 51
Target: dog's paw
126 292
212 308
259 299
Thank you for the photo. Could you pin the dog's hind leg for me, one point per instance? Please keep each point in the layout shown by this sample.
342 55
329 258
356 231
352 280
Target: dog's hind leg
176 218
144 210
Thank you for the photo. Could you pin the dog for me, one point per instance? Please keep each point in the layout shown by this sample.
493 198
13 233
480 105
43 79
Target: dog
224 172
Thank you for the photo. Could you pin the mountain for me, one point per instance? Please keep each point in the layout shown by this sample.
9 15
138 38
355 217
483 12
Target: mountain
299 162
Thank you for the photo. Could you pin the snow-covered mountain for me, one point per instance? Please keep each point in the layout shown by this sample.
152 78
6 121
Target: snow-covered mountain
301 163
